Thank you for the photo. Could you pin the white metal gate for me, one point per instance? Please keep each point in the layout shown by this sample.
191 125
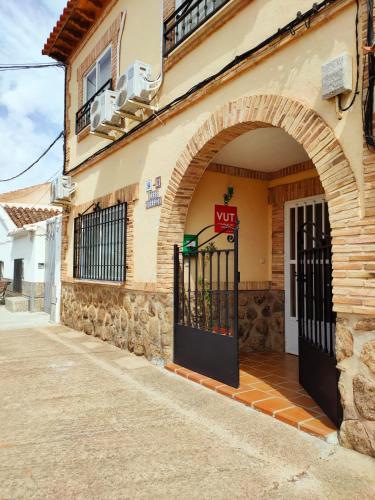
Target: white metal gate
52 284
298 212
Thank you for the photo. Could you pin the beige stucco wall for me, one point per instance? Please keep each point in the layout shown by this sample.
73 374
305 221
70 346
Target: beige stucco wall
293 71
135 45
250 198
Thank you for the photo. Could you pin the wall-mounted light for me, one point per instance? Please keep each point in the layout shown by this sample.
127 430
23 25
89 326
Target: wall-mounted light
228 195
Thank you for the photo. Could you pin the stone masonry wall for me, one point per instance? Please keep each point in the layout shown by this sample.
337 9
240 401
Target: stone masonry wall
355 350
139 321
261 321
34 292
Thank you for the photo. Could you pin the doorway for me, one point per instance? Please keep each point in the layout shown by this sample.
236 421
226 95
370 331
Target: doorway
313 210
17 275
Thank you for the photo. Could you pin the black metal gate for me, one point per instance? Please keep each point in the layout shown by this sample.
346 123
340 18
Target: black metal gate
317 321
206 305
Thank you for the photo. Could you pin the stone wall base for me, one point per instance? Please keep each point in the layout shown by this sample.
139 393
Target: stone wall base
355 350
139 321
261 320
33 292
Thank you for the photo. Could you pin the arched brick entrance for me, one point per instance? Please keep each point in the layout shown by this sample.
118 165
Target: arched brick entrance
232 120
352 235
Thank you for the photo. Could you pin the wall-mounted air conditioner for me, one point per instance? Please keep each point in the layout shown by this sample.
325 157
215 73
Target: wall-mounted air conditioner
103 116
62 189
135 89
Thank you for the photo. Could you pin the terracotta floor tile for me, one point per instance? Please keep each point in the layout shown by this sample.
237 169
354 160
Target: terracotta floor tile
320 426
184 372
303 400
249 397
196 377
259 373
273 379
293 386
284 393
294 415
261 386
245 367
172 367
269 406
269 383
227 390
211 383
248 379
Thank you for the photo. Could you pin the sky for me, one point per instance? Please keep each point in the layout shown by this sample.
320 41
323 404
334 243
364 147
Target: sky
31 101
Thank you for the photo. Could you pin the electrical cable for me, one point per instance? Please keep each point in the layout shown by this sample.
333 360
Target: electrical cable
368 104
61 134
16 67
48 188
290 28
358 59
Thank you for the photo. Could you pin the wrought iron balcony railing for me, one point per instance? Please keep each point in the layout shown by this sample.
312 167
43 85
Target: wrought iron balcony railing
186 19
83 117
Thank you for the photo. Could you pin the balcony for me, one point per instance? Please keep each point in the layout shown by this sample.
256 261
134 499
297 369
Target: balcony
83 117
186 19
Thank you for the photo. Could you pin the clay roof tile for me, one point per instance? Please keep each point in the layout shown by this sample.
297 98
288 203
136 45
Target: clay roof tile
28 215
72 8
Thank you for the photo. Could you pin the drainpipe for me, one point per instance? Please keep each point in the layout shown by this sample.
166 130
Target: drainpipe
160 79
119 39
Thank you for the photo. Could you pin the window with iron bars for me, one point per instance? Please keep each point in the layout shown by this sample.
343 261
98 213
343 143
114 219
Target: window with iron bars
100 244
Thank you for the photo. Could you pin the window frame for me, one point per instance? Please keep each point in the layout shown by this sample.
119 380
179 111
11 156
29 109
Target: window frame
96 67
100 244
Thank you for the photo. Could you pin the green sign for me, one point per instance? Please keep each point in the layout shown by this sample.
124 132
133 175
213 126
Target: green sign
190 244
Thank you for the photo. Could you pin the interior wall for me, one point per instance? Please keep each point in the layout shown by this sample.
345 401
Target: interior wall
278 195
250 198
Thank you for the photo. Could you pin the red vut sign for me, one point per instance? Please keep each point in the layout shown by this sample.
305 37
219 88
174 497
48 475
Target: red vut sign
225 216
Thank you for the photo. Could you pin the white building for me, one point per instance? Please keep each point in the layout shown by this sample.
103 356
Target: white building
23 242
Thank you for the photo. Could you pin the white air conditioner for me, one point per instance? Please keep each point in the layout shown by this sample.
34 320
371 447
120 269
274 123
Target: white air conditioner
126 107
103 116
135 89
137 83
62 189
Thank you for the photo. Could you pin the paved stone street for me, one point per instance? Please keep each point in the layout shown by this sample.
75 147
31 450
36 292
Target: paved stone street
83 419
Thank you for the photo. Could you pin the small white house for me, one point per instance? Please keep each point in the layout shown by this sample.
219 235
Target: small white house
23 244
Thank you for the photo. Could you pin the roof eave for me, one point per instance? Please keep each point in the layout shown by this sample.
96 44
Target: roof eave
65 38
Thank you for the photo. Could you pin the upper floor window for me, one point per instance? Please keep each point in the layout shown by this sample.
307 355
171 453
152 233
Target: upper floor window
99 75
188 16
96 80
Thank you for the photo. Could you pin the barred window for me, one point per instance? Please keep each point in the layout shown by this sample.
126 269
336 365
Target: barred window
100 244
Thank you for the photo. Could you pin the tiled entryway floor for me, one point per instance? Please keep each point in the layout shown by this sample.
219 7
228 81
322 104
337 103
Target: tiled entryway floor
269 383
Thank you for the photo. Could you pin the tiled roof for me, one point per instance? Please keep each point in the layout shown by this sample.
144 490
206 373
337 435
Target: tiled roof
75 21
28 215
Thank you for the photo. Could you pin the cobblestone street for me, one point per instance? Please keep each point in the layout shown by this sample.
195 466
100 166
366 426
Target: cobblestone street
81 418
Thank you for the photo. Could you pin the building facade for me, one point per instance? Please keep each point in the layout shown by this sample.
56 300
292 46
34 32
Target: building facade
23 253
237 129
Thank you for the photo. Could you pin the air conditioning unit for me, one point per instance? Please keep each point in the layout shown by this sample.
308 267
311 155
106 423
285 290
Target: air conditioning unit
62 189
135 88
127 107
103 116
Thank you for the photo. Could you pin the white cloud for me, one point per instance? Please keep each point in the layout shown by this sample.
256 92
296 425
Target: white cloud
31 101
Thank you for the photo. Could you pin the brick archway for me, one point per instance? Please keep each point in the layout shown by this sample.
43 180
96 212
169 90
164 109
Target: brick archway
232 120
